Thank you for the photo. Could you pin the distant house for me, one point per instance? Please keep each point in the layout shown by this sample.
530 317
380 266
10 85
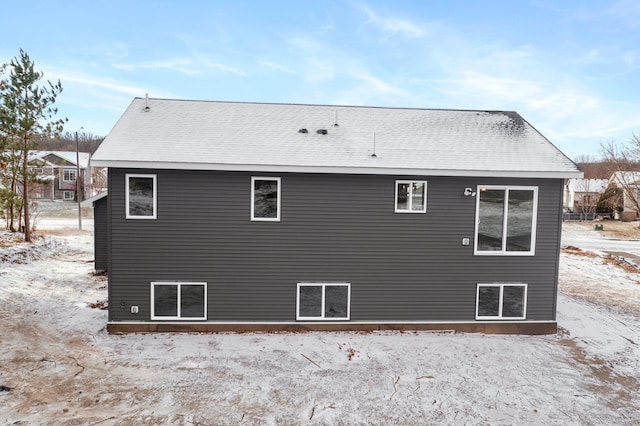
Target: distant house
57 171
624 194
249 216
582 195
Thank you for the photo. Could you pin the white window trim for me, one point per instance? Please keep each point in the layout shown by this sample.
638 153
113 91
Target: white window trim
178 317
155 195
69 171
322 317
64 195
410 198
502 286
534 222
278 199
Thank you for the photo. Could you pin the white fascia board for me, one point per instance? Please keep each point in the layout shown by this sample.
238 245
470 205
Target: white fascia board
334 169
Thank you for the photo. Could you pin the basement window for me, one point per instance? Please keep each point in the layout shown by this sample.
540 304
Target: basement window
330 301
501 301
178 301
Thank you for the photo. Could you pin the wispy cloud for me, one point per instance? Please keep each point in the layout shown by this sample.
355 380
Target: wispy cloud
278 67
110 84
181 65
392 26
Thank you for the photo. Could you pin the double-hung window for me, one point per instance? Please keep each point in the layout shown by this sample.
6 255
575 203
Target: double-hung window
265 198
178 301
501 301
69 175
411 196
330 301
506 220
141 196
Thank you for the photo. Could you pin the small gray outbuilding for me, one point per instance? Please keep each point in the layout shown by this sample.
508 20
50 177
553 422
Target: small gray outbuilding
254 216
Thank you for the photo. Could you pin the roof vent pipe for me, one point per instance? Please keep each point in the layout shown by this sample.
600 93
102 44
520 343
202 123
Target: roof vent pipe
374 145
335 122
322 131
146 102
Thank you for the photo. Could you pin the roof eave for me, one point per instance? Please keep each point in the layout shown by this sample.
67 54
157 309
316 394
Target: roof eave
268 168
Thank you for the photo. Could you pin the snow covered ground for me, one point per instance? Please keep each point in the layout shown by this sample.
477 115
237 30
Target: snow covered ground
63 368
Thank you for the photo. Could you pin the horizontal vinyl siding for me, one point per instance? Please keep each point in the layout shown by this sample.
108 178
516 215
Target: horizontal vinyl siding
100 234
333 228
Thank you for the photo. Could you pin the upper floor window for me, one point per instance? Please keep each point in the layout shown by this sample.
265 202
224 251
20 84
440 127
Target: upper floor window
141 198
265 198
69 175
411 196
506 220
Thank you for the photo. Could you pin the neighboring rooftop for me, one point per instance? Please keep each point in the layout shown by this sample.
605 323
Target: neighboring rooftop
588 185
182 134
68 156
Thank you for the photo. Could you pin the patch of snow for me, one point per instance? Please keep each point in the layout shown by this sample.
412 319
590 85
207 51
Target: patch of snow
63 368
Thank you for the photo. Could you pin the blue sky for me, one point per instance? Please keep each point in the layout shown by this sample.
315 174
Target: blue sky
571 68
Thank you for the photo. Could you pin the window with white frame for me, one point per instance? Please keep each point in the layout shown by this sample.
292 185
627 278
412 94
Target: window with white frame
411 196
178 301
69 175
265 198
506 220
141 196
323 301
68 195
501 301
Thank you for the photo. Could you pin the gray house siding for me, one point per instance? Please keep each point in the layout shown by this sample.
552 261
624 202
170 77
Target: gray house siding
100 234
333 228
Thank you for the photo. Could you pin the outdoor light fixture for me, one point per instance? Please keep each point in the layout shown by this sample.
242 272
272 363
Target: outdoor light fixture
469 192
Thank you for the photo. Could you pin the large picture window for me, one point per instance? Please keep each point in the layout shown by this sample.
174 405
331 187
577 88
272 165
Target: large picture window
178 301
506 220
265 198
501 301
411 196
329 301
141 199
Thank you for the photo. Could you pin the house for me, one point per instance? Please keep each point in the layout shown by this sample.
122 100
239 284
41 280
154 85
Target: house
623 194
255 216
582 195
56 170
100 229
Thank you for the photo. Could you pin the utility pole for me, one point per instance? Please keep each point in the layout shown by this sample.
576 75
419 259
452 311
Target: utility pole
78 195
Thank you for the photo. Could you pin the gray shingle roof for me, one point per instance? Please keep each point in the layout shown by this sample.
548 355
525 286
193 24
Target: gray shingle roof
179 134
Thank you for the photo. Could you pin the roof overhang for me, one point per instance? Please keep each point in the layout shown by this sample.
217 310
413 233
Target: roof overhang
274 168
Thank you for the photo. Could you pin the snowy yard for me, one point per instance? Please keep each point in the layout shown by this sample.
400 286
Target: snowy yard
59 366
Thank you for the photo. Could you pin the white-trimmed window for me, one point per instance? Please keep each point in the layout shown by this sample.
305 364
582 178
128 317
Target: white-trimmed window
506 220
411 196
265 198
178 301
501 301
68 195
141 196
323 301
68 175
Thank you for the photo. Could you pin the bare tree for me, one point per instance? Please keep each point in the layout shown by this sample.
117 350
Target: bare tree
624 160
